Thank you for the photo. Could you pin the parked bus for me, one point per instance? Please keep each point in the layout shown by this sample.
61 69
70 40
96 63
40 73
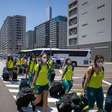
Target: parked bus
80 57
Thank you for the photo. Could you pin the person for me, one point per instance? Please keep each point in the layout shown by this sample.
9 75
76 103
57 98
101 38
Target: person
19 63
67 75
10 65
51 75
25 64
41 82
30 70
93 83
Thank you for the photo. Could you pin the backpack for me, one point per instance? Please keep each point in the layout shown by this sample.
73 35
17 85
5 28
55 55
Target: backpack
84 78
108 100
109 92
24 97
68 103
56 89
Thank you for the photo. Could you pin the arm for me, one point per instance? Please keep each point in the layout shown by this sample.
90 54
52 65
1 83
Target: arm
107 83
6 64
64 71
34 79
36 73
88 76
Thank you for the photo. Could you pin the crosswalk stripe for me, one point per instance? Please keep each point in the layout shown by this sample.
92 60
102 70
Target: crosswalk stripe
13 90
14 96
12 86
6 82
52 100
54 109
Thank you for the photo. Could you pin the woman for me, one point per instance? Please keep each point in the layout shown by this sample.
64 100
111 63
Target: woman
67 75
10 65
41 82
51 75
19 65
93 83
30 70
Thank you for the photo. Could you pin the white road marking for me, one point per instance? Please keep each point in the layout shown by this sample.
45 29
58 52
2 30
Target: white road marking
13 90
12 86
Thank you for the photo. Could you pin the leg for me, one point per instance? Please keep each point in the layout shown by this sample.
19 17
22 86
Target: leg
91 97
45 101
38 94
38 99
66 86
99 98
70 85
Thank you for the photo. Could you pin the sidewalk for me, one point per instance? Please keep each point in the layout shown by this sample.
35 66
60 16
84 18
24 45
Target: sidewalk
7 103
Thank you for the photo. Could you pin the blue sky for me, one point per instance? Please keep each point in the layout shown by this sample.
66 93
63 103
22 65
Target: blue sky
34 10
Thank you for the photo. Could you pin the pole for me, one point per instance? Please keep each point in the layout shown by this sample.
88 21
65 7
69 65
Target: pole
50 17
50 49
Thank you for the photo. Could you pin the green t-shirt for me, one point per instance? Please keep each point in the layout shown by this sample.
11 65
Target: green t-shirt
10 64
96 80
42 78
31 66
69 72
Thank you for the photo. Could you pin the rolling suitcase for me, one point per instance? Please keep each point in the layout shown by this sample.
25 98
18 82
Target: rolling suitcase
24 97
14 75
6 74
23 83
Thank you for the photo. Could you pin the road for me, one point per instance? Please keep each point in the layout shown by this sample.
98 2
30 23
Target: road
12 87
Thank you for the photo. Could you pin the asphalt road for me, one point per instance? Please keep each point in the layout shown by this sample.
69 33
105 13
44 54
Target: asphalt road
11 88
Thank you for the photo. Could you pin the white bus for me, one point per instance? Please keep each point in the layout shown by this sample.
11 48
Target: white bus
80 57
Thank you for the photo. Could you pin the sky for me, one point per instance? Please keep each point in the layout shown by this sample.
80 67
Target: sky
36 11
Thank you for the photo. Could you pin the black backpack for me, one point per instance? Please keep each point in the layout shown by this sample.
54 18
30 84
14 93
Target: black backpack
68 103
57 90
109 92
24 97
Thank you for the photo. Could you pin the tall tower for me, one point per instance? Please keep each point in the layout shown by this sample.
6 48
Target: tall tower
50 12
49 9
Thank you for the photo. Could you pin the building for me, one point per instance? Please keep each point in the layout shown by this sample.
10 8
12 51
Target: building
90 26
42 34
12 34
72 32
58 32
29 40
52 33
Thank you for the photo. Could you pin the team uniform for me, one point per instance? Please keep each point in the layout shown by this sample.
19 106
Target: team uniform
94 90
67 77
42 82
